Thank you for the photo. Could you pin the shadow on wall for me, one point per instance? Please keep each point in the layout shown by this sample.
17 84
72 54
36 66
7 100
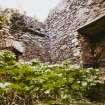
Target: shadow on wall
92 39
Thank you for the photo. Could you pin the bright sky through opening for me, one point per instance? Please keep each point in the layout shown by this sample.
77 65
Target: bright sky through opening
38 8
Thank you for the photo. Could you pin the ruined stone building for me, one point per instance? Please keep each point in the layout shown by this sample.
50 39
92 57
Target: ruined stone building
76 31
73 30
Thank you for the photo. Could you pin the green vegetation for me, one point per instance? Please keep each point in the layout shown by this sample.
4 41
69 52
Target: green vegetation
37 83
3 20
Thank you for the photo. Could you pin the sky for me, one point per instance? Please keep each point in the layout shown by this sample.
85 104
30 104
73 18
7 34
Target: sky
38 8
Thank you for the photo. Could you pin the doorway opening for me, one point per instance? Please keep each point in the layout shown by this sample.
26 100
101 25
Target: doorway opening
92 39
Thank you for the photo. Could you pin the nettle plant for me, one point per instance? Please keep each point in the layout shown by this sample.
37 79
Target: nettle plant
35 83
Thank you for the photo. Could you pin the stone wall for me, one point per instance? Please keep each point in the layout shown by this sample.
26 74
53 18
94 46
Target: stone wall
35 45
61 40
26 30
63 22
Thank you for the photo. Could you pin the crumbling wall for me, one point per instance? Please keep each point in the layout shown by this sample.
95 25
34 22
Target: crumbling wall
62 25
34 47
63 41
26 30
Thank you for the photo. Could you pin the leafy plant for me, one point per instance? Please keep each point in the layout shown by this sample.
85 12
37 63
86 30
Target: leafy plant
3 20
38 83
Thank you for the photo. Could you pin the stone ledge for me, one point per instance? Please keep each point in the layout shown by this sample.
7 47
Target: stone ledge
93 28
